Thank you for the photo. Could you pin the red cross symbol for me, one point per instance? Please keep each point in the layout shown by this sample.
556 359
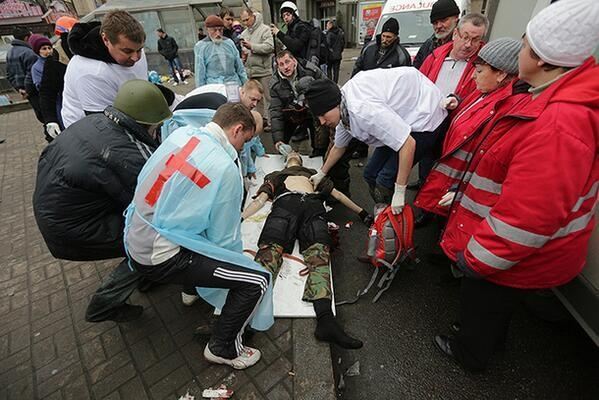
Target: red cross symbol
177 163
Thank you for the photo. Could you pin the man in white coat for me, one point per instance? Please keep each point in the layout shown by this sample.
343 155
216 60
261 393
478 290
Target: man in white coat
396 110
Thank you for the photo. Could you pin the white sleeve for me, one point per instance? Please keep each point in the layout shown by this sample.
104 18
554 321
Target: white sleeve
95 92
378 120
342 136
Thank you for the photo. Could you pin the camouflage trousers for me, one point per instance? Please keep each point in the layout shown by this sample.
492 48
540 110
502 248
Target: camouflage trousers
316 258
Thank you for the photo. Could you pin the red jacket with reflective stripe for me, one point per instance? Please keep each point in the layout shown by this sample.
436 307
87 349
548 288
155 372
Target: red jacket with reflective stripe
525 216
464 136
433 63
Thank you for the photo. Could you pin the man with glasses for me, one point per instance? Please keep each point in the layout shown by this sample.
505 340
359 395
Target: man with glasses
450 67
216 57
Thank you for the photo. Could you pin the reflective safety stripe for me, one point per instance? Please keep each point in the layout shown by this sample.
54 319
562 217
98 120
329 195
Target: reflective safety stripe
592 193
462 155
575 225
478 209
448 171
485 256
516 235
485 184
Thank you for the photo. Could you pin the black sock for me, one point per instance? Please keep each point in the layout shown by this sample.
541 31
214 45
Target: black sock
327 328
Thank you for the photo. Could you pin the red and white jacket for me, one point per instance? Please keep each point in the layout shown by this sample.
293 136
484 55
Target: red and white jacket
466 134
524 215
433 63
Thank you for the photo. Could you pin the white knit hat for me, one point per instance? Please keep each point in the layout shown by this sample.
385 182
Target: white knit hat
565 33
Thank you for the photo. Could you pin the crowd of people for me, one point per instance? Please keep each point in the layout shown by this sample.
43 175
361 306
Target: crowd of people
495 128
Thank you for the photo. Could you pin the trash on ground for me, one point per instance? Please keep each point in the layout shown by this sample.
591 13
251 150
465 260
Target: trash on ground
187 396
291 373
216 394
348 224
360 164
354 370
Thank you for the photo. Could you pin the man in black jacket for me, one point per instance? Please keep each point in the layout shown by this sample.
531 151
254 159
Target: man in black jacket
444 18
336 44
290 118
297 38
86 179
384 52
167 46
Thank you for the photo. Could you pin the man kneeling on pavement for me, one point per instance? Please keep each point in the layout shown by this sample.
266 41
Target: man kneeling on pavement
183 227
298 213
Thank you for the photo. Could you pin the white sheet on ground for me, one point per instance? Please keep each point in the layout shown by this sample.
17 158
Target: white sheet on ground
289 286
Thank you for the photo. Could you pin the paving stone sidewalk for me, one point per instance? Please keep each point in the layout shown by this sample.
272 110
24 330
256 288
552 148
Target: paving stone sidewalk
48 351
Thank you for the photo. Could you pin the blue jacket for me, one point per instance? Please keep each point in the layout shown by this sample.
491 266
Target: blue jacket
206 219
37 71
19 61
218 63
246 158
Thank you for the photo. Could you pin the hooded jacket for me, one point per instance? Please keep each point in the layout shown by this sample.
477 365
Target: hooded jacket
433 63
259 60
19 60
85 180
525 213
464 136
93 77
395 56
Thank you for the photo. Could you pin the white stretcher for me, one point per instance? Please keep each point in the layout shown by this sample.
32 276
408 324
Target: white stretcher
289 286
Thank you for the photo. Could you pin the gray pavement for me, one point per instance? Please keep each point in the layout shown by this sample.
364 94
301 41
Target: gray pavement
48 351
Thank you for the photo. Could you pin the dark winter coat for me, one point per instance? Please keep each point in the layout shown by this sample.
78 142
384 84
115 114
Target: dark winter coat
283 95
396 56
86 178
51 90
167 46
336 43
19 60
297 38
426 49
85 40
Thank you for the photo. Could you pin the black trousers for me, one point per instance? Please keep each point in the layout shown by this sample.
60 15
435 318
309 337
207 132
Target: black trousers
486 310
333 70
246 288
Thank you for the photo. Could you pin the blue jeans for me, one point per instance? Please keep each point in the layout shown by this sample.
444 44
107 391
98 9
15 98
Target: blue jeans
381 168
175 66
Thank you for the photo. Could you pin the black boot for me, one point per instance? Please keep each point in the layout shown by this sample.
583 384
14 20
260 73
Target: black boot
327 328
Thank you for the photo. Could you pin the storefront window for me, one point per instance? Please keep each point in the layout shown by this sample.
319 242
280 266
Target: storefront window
177 24
149 20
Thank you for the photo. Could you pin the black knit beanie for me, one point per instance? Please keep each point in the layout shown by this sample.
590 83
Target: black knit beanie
443 9
322 96
391 25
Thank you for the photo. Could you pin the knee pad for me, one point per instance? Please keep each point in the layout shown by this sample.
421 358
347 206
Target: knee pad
270 256
317 255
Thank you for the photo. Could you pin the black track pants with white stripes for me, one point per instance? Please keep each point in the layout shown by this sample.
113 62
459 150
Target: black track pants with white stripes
246 288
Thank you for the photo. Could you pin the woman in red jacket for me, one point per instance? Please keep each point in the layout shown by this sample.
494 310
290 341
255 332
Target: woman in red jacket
525 211
498 90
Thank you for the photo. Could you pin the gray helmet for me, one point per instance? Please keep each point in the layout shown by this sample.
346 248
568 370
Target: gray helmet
142 101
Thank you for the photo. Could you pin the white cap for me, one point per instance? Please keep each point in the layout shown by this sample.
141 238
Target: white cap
565 33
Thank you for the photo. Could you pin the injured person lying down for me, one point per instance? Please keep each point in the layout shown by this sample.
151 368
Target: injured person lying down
298 213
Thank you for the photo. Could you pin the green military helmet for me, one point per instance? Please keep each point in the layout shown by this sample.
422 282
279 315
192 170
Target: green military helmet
142 101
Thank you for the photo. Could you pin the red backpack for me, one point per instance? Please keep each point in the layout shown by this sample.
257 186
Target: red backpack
390 243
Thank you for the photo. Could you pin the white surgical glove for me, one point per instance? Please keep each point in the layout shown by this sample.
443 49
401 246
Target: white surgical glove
449 103
399 198
317 177
447 199
52 129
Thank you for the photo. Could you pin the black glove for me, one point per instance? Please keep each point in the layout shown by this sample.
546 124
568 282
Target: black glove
366 218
